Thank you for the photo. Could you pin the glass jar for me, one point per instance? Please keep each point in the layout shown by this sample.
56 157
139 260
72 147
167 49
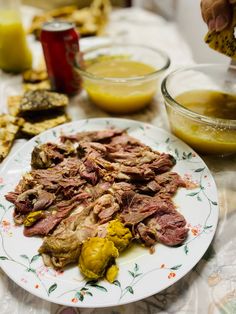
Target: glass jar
15 55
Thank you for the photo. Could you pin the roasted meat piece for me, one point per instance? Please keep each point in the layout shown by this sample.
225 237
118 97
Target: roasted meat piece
63 246
105 208
96 136
169 228
55 214
49 154
137 207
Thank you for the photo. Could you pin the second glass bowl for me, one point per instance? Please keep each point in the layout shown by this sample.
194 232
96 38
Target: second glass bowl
205 134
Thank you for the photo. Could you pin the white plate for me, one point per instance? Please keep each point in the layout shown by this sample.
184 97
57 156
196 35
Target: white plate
141 274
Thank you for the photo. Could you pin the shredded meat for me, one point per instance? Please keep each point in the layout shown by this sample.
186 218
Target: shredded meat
105 207
169 227
56 214
88 180
49 154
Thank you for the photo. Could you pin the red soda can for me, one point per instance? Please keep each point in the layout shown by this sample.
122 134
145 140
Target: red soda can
60 44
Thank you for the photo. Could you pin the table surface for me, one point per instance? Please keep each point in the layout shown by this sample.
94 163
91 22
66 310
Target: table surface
211 286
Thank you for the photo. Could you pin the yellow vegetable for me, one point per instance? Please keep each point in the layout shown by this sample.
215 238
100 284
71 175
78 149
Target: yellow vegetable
112 273
31 218
119 235
97 254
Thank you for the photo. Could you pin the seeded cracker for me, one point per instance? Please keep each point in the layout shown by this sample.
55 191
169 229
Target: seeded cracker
13 104
38 100
35 76
9 127
224 41
33 86
32 129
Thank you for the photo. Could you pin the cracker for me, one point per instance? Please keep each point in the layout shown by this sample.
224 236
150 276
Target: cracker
35 75
34 86
35 128
39 100
224 41
9 127
13 104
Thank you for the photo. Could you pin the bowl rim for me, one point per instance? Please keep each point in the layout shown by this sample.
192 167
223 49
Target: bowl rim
139 78
191 114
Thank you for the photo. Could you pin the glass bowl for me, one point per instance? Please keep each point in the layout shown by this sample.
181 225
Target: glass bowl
205 134
123 94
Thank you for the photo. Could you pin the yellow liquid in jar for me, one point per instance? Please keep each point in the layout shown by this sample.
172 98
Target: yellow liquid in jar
15 55
124 97
203 137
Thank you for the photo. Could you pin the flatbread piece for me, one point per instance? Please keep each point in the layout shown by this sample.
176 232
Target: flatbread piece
9 127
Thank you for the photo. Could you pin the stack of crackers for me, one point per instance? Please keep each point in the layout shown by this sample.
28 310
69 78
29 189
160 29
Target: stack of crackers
89 21
30 114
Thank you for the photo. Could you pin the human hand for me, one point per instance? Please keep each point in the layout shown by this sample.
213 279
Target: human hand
217 14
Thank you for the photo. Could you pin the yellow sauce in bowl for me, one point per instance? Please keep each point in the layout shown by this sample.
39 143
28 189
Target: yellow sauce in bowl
206 138
120 97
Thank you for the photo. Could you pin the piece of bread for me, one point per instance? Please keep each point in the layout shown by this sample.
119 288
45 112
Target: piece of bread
9 127
35 128
13 104
38 100
35 101
35 75
224 41
33 86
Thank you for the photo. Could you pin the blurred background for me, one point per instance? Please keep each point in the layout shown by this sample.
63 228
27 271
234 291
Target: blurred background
183 12
44 4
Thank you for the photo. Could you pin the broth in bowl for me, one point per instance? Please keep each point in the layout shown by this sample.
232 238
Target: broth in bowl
122 78
120 98
210 103
201 107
